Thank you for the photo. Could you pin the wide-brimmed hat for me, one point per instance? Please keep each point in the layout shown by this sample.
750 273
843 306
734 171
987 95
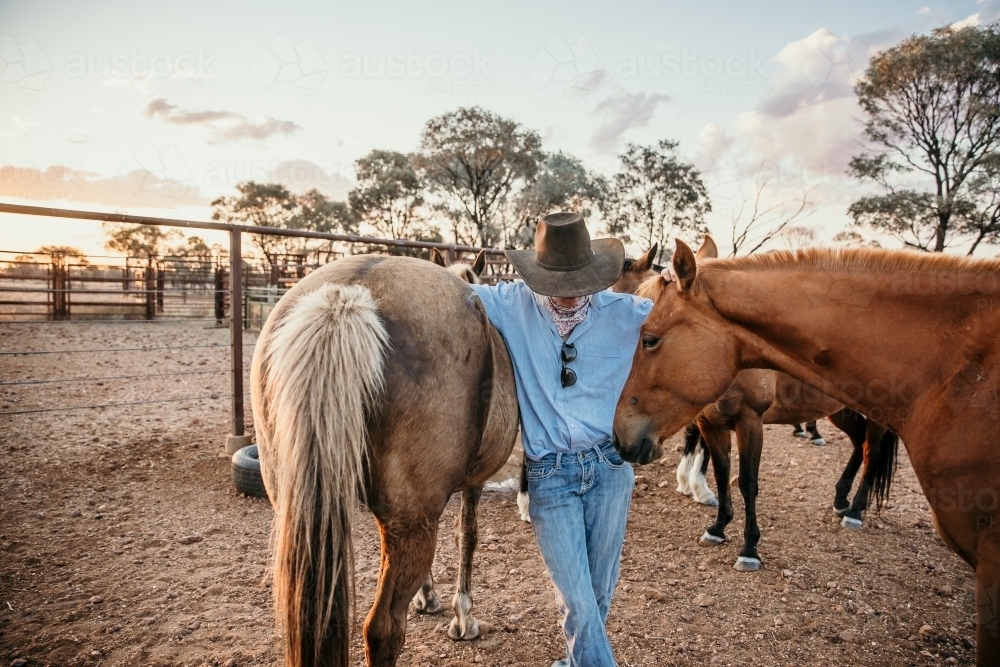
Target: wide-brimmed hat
565 262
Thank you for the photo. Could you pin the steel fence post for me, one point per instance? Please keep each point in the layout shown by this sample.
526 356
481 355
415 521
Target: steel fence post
237 438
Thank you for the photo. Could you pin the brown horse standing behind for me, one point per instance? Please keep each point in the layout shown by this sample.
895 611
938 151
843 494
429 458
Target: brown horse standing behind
910 340
380 378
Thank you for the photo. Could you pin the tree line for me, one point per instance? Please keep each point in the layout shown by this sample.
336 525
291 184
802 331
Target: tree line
480 179
931 124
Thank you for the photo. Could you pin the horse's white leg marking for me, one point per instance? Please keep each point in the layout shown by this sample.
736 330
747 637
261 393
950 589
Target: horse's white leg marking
700 490
848 522
522 506
683 485
464 625
744 564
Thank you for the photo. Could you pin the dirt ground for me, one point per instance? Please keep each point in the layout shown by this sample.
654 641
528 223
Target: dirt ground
123 542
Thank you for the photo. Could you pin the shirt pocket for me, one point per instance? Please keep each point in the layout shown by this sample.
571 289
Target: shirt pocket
605 351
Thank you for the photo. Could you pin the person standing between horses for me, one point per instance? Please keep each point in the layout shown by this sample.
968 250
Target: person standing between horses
571 343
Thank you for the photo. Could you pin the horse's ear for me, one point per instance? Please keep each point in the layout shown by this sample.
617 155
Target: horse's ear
685 266
479 265
437 257
708 249
645 263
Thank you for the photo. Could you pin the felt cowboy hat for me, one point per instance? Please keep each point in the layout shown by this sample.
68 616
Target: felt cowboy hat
565 262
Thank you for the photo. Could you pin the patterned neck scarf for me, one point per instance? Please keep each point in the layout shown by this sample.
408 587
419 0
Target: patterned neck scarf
567 318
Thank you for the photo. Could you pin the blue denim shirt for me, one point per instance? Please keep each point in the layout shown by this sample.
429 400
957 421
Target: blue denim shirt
554 419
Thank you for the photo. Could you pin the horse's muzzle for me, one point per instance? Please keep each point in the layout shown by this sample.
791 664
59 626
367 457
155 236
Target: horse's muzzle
642 454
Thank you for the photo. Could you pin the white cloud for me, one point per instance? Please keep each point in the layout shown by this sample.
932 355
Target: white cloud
967 22
302 175
924 10
716 139
621 113
23 122
223 125
811 114
134 187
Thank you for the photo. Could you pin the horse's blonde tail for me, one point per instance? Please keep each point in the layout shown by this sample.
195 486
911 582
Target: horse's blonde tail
323 367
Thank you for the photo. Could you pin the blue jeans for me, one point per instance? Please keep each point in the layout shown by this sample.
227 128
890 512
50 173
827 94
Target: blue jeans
579 505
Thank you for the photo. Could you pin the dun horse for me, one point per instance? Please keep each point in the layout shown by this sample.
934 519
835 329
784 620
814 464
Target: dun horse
377 378
910 340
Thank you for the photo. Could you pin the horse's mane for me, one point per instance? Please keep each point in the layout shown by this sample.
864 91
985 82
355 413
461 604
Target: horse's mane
863 259
652 288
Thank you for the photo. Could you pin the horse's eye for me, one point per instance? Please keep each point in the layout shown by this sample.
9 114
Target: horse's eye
649 341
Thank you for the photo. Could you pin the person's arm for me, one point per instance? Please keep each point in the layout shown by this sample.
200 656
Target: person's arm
641 310
495 298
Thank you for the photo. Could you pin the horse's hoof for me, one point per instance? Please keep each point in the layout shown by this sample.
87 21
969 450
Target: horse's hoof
853 524
841 511
744 564
709 540
818 441
429 607
800 434
471 630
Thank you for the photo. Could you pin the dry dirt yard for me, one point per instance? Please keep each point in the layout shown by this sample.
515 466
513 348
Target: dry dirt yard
123 542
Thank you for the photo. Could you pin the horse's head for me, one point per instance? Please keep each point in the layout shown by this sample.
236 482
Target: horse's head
684 361
636 271
468 272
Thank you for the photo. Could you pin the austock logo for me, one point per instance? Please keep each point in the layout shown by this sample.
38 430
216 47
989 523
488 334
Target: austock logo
285 61
23 64
152 171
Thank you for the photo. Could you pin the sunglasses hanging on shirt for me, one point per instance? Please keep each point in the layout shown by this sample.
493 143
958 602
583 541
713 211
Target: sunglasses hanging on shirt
568 375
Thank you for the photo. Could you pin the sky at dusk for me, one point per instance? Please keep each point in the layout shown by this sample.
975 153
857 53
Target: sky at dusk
158 108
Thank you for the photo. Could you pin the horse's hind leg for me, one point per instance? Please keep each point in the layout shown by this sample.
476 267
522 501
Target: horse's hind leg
691 437
849 422
407 556
426 601
700 490
814 436
873 455
750 439
522 494
465 625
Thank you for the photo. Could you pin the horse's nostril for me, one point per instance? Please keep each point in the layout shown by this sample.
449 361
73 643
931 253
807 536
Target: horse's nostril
633 400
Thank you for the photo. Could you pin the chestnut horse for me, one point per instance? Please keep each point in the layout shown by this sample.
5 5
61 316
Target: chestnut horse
758 397
873 445
377 378
911 340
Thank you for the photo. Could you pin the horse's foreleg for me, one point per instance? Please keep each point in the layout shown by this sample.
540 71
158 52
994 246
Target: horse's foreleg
465 625
847 421
750 440
719 446
407 555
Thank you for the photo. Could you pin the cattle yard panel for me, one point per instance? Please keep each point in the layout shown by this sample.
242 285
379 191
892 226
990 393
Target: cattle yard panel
59 290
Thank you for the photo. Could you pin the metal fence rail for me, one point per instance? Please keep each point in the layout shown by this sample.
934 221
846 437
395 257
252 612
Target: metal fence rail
227 289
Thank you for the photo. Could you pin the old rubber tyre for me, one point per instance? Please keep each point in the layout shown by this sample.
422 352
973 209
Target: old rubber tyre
246 472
